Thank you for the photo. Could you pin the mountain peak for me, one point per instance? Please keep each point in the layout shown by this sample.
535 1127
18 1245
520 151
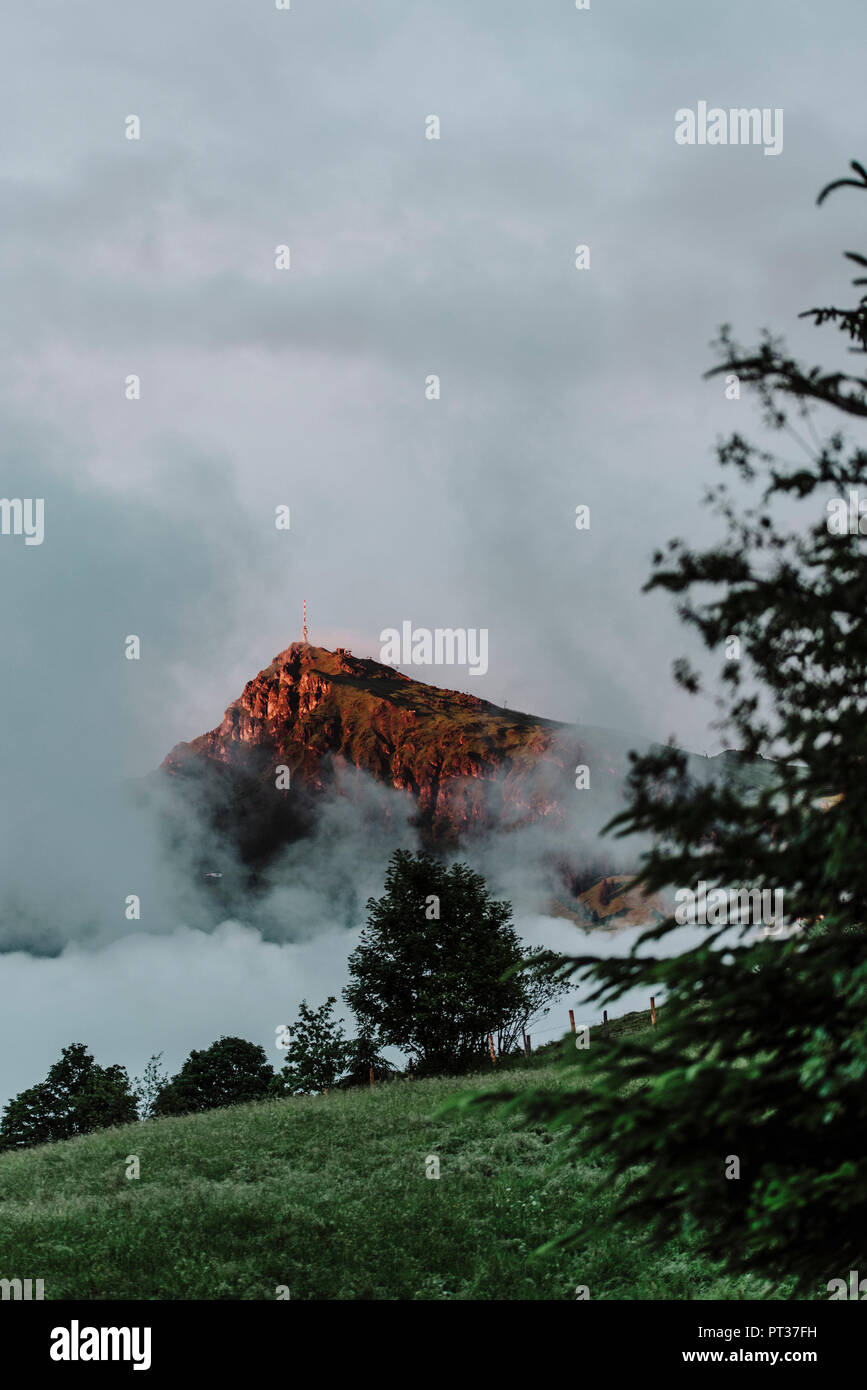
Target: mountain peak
302 656
337 722
332 717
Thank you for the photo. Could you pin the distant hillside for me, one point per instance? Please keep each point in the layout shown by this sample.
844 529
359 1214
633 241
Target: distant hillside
608 904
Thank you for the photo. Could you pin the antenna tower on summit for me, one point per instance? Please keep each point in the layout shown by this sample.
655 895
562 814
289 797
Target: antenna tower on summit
304 628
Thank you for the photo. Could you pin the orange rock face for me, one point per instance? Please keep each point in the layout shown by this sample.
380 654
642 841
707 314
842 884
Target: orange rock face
330 717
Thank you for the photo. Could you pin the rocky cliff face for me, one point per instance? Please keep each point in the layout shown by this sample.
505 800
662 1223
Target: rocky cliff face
342 725
331 717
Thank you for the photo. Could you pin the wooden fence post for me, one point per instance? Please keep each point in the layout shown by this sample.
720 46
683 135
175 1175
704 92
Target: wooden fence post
605 1021
572 1019
653 1011
526 1044
371 1076
491 1046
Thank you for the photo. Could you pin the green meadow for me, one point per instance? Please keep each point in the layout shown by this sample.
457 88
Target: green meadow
328 1196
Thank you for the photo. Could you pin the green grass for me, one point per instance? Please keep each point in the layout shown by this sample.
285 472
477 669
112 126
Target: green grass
327 1195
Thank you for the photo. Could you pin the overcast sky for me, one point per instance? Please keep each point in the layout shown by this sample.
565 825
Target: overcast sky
306 386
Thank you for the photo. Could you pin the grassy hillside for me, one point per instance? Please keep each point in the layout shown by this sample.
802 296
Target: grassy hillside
327 1195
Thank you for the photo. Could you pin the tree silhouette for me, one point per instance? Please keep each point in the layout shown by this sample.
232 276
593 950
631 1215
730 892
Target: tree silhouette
438 966
229 1072
76 1097
318 1053
762 1053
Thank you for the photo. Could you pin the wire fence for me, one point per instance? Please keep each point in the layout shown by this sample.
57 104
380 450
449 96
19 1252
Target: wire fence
633 1022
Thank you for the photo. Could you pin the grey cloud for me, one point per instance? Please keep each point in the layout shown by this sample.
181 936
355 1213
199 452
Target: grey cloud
409 257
